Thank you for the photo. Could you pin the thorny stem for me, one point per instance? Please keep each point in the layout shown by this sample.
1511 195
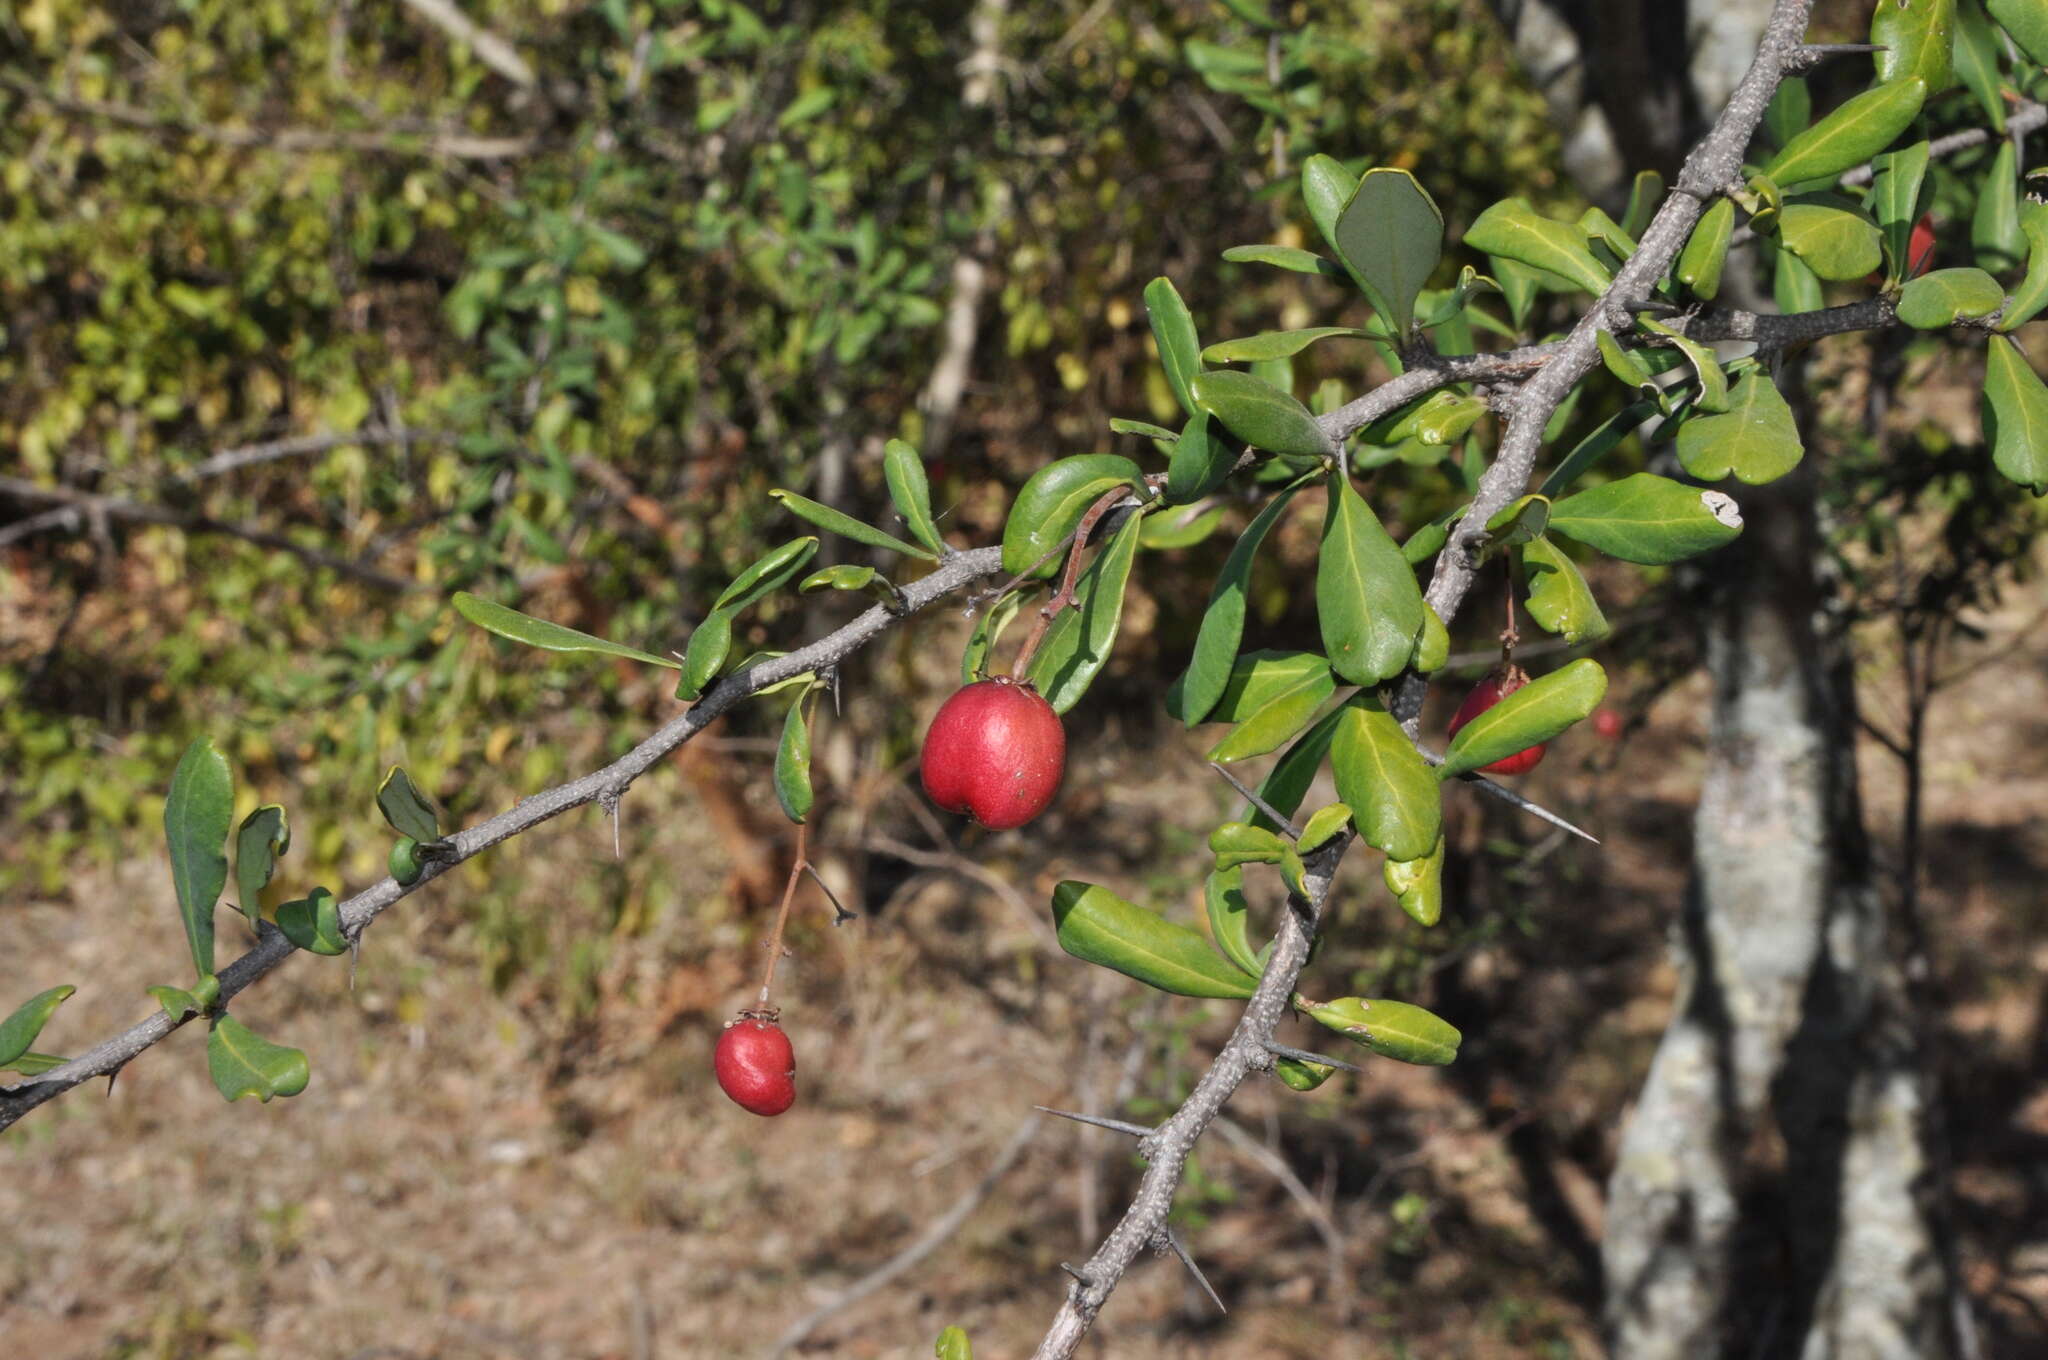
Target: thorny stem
1065 595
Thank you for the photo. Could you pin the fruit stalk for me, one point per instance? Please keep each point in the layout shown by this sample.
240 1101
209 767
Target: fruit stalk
1064 596
796 871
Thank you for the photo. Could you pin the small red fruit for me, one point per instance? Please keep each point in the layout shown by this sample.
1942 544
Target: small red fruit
1920 247
995 751
1607 723
755 1064
1503 681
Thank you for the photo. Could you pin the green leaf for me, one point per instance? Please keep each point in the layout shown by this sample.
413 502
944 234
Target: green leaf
1604 231
1326 188
1274 344
1260 414
1516 523
1235 844
1935 300
1995 228
1229 920
1513 230
1789 111
1180 351
793 764
1209 669
1713 383
1559 600
1049 508
1202 458
1794 286
846 526
1096 926
35 1064
1834 243
1255 680
1393 796
1895 200
2016 416
841 576
313 924
197 814
2032 295
1647 519
1159 434
176 1001
1852 134
988 630
404 862
1594 446
1392 1029
1917 35
1756 440
1625 365
1278 720
1182 529
1322 826
265 834
1418 885
244 1065
553 637
1976 56
773 570
1366 597
1433 643
1287 783
710 645
1079 640
19 1030
1284 257
1533 714
1643 197
1391 233
408 810
954 1345
2027 22
903 469
1519 285
1699 265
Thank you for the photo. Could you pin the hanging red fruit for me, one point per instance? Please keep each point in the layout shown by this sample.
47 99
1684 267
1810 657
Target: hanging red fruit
1502 681
755 1064
995 751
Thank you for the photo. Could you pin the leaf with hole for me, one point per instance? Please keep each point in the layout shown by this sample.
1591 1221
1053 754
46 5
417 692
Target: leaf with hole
1392 795
1049 508
2016 416
1646 519
1096 926
1366 598
197 814
313 923
493 617
1756 440
1079 640
1857 130
1532 715
244 1065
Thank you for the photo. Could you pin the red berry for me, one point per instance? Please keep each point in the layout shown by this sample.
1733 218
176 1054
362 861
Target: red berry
1503 681
995 751
1607 723
756 1065
1920 247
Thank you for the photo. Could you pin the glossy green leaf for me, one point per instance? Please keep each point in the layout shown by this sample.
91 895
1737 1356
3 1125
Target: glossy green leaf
1288 782
1049 508
1156 433
1895 200
1706 251
1254 680
1755 440
176 1001
1294 873
1790 110
988 630
793 764
1977 56
1209 669
553 637
2032 295
1427 541
1322 827
1392 1029
710 646
1917 35
1602 230
1995 227
1081 637
1274 344
1203 456
1440 423
1559 600
1852 134
903 469
1644 195
1595 446
1260 414
1276 721
842 576
1180 351
404 862
773 570
1794 286
197 814
313 923
1366 598
1235 844
1284 257
264 835
1183 528
2016 416
1393 796
1391 233
1834 243
1229 918
1418 885
1297 1075
1623 364
1096 926
1935 300
19 1030
408 810
1514 230
953 1345
244 1065
1533 714
1519 285
1433 643
845 525
1647 519
2027 22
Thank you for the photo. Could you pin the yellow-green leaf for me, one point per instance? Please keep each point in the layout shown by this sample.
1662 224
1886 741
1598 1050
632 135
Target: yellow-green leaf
1097 926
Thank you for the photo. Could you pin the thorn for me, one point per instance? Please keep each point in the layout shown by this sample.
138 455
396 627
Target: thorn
1513 799
843 914
1281 1050
1168 1242
1261 804
1084 1281
1118 1125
